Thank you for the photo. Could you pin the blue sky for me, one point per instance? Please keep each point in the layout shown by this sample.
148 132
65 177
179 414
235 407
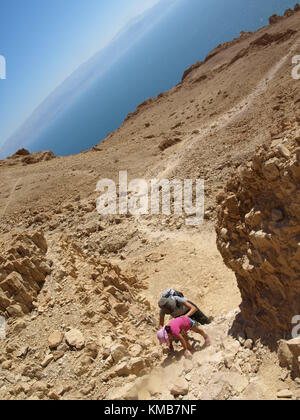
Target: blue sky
44 41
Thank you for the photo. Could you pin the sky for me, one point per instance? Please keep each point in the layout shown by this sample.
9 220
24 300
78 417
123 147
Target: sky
44 41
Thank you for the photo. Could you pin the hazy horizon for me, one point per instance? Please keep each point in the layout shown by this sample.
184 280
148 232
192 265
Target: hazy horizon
94 99
38 65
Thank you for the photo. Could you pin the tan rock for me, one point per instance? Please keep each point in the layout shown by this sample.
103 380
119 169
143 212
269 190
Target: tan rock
122 369
48 359
55 339
7 365
118 352
285 394
136 366
75 339
288 354
136 350
127 392
180 388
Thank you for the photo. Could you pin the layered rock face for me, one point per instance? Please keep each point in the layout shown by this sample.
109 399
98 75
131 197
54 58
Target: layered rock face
259 237
23 269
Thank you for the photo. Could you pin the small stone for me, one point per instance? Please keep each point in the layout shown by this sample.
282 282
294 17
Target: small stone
7 365
25 387
53 396
242 340
136 350
224 233
48 359
122 369
136 366
283 151
23 351
180 388
92 350
75 339
248 344
284 376
118 352
58 355
285 394
55 340
19 326
15 311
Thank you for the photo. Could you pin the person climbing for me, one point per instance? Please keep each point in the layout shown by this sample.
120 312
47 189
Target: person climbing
174 303
177 329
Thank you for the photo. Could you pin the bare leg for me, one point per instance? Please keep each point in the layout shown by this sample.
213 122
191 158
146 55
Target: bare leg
203 334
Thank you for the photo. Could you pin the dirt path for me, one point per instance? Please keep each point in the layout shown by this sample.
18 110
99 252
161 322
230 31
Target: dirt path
187 259
10 197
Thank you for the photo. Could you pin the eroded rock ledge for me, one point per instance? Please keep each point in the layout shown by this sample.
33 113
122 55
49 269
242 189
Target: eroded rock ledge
258 233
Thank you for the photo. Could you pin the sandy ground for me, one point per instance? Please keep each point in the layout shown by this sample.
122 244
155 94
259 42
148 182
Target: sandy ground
217 122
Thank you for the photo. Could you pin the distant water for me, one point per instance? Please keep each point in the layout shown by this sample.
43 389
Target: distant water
156 63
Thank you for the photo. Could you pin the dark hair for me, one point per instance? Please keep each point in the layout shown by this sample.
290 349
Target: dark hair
168 329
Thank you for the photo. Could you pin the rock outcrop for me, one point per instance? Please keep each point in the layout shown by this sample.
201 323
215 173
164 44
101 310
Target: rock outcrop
288 13
24 157
258 236
23 270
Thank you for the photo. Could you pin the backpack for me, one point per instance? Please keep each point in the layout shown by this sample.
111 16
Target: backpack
172 293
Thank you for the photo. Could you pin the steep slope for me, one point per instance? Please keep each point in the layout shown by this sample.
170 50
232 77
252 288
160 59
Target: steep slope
241 97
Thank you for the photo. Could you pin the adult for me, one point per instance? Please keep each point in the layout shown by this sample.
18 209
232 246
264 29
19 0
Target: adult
176 305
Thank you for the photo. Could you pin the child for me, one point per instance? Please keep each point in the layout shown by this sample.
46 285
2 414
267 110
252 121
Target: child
177 330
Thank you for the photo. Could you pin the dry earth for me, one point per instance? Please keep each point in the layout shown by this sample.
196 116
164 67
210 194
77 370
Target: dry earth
80 290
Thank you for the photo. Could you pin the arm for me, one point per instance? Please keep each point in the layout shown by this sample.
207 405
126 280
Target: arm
161 320
183 341
192 309
186 346
171 348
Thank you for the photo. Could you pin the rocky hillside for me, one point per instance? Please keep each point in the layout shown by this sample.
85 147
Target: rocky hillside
87 318
258 237
79 291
